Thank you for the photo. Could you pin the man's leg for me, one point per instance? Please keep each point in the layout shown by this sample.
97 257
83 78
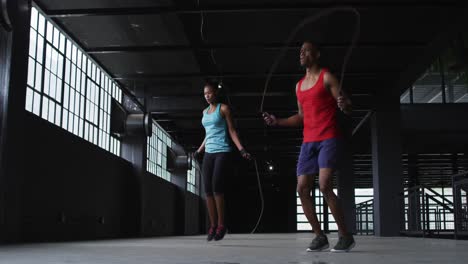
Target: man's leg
305 184
328 156
325 183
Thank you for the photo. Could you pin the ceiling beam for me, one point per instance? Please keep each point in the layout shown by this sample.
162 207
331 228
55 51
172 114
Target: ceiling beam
367 74
242 94
246 45
196 114
246 8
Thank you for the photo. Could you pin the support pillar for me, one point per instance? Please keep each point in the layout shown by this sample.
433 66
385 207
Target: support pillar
386 163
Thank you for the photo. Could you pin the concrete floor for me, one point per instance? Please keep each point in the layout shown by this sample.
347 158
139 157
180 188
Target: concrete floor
263 248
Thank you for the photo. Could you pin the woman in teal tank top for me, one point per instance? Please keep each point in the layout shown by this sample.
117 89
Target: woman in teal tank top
219 131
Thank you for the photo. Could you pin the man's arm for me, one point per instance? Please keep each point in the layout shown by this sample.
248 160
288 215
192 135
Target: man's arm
342 99
292 121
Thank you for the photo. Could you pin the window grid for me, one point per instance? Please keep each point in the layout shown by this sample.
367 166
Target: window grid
301 220
192 185
66 88
439 217
156 155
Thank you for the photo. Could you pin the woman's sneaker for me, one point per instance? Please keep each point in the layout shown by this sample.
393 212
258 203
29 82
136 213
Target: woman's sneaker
345 244
211 233
319 243
220 232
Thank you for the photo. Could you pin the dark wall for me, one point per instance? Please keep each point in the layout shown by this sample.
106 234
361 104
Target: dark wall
74 189
193 219
161 206
430 128
243 201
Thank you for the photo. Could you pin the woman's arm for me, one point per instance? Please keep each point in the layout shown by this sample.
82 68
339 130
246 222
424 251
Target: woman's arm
226 112
202 146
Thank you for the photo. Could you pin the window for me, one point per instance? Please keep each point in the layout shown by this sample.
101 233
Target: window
66 87
361 195
440 217
156 155
303 224
192 176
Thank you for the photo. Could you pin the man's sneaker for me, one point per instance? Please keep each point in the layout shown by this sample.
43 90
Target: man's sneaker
319 243
211 233
220 232
345 244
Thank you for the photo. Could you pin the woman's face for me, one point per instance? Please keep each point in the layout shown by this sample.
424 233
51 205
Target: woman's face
210 94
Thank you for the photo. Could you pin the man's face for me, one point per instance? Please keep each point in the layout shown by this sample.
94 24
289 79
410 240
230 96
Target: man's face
309 55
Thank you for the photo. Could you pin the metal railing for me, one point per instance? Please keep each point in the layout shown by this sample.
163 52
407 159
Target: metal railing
427 213
460 191
365 218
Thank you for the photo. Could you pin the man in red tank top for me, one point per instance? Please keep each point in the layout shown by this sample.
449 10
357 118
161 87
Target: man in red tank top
318 98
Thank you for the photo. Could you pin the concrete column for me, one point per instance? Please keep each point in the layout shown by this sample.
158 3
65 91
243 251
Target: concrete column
345 176
386 163
14 47
345 182
134 151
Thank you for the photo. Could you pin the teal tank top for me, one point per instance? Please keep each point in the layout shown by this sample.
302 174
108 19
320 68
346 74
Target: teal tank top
217 135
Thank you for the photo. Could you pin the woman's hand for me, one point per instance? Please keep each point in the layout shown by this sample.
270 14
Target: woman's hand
245 154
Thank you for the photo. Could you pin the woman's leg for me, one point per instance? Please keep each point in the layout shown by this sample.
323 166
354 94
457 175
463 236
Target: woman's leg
207 169
221 169
219 198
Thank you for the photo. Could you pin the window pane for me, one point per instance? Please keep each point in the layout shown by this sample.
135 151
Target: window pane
32 43
31 72
34 17
73 54
58 96
53 65
69 49
48 57
41 27
65 119
29 100
62 43
58 114
60 67
53 82
67 71
45 108
40 49
51 111
56 38
50 30
37 103
38 77
78 58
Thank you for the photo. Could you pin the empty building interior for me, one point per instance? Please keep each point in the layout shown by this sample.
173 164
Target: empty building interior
100 114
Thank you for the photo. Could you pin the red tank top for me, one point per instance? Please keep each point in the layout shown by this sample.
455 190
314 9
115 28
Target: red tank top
319 111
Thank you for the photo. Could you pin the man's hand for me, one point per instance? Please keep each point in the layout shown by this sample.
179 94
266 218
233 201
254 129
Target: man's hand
343 104
270 120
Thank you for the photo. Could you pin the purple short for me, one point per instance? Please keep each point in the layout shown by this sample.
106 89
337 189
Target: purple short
319 155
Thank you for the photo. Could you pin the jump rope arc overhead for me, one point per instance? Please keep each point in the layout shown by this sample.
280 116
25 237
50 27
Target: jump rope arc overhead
307 21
